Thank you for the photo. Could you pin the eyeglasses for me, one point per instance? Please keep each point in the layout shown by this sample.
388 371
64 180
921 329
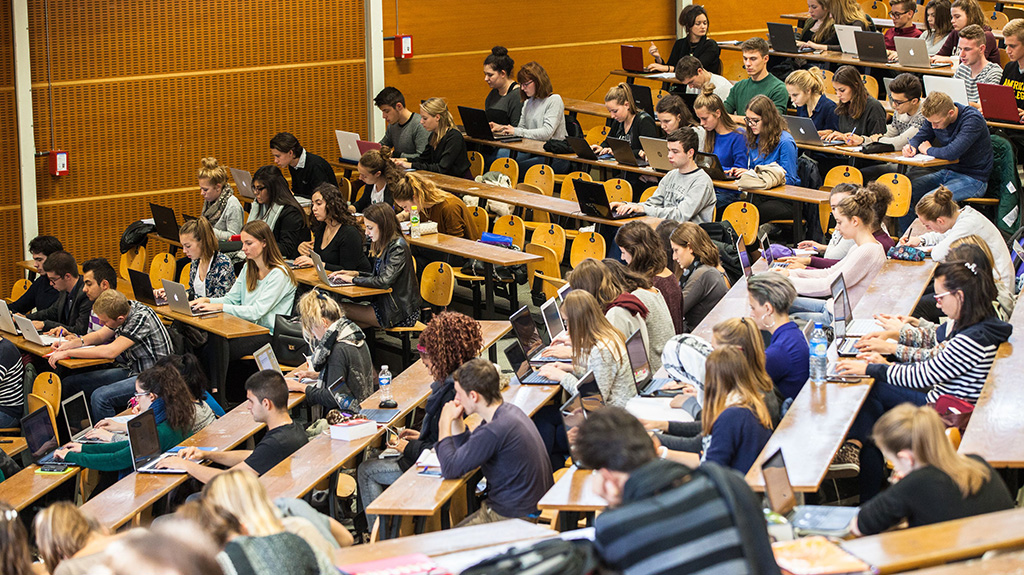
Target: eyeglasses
142 393
896 14
752 121
896 102
256 188
525 84
938 297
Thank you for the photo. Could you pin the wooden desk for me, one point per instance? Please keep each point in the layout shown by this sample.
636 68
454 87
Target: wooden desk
16 445
571 496
309 276
1009 564
896 289
842 58
902 162
574 106
732 305
439 544
42 350
879 22
26 486
905 549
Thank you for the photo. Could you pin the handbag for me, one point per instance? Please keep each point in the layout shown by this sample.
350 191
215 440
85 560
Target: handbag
953 411
287 342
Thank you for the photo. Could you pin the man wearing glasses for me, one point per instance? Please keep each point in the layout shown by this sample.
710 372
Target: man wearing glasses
905 98
70 313
902 14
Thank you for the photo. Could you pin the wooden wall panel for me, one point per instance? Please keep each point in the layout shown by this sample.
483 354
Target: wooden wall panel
10 197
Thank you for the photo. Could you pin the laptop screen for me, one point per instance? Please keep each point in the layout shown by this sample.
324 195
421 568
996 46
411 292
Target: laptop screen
526 331
39 433
517 360
143 438
839 304
76 412
766 251
562 292
552 318
637 352
741 250
265 359
590 393
776 484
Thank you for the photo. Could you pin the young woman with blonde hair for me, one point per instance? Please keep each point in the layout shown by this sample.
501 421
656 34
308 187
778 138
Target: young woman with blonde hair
628 122
701 281
446 150
722 137
435 205
69 542
220 206
807 91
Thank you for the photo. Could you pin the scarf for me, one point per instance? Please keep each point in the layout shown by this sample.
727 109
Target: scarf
343 330
269 215
630 303
212 211
159 409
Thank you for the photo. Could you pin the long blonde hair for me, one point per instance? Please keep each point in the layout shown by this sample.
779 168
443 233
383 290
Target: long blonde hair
438 107
729 374
743 333
241 493
920 430
62 530
590 328
809 81
422 193
710 101
259 230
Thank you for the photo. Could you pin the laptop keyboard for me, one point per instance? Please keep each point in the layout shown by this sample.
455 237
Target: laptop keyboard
823 518
536 378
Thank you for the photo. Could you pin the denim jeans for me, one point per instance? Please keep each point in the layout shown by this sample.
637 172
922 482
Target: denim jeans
8 421
925 181
811 310
113 398
92 381
372 477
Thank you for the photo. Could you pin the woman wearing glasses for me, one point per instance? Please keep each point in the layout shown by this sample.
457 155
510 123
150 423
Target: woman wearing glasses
542 118
276 206
768 141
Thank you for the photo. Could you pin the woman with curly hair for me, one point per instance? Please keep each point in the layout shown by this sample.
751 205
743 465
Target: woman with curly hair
449 340
336 236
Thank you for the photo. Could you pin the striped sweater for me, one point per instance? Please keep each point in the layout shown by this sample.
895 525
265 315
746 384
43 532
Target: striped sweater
959 369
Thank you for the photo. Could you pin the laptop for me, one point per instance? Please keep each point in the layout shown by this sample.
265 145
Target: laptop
913 53
177 299
525 373
847 41
28 331
348 146
782 38
142 287
584 151
76 415
998 103
41 438
642 98
478 126
804 132
954 87
633 59
560 294
593 201
624 153
243 181
818 519
365 146
587 399
712 166
528 336
656 151
744 255
165 221
871 47
266 359
321 271
7 320
845 346
552 318
766 253
144 444
853 328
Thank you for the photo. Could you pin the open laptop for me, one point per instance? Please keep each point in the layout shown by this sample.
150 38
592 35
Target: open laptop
913 53
587 399
41 439
847 41
804 132
845 345
624 154
478 126
366 146
528 336
855 328
266 359
954 87
642 98
28 331
165 221
321 271
7 320
177 299
562 292
871 47
584 151
656 151
766 253
633 59
712 166
243 181
348 146
552 318
76 415
819 519
998 103
142 287
783 39
526 374
144 444
744 255
593 201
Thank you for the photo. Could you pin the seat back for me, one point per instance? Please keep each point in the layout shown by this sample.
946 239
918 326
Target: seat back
537 216
827 75
507 166
587 245
899 185
186 272
134 258
646 195
597 134
876 8
476 163
744 219
437 284
547 267
19 288
511 226
552 236
843 174
568 190
345 187
48 387
996 20
161 268
479 217
541 176
870 84
618 190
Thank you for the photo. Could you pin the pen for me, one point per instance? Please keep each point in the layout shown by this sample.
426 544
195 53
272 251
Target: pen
6 441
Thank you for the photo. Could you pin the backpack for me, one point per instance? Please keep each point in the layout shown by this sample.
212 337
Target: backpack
724 237
1000 181
547 557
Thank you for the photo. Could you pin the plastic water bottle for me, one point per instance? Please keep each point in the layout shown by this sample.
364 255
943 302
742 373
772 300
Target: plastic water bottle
414 222
819 351
384 379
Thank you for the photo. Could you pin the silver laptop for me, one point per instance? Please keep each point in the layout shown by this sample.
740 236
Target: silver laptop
804 131
744 255
656 151
847 38
562 292
28 331
913 52
144 444
243 181
954 87
552 318
177 299
321 271
348 145
76 415
852 328
7 320
266 359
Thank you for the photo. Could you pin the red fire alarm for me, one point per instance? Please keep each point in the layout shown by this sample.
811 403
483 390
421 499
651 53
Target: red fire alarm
403 46
58 162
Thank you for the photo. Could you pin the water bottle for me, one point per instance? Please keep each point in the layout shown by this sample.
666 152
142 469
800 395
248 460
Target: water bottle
819 354
414 222
384 379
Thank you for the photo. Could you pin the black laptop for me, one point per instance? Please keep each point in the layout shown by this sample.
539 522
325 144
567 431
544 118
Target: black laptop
593 201
584 151
783 39
41 439
478 126
871 47
525 373
165 221
642 98
530 337
712 166
142 288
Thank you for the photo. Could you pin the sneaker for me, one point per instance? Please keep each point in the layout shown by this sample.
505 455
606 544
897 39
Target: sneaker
846 463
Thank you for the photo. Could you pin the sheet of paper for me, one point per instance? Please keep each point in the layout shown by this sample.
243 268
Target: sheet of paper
656 408
921 158
663 76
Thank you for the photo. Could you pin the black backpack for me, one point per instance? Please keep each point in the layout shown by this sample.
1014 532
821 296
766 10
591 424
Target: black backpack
724 237
548 557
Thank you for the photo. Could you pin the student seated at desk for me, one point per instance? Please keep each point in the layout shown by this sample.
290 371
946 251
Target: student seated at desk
932 482
644 254
446 150
276 206
959 369
211 273
506 446
392 268
628 122
336 236
504 98
404 134
158 388
220 206
686 194
379 176
759 83
98 276
964 13
12 385
40 294
768 141
905 97
132 335
449 340
838 246
598 347
543 117
806 89
974 69
787 356
435 205
188 367
824 37
857 112
953 132
628 474
702 281
308 170
744 333
902 13
1013 73
694 20
14 546
69 542
672 114
339 354
691 72
722 137
267 398
938 25
71 311
659 319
